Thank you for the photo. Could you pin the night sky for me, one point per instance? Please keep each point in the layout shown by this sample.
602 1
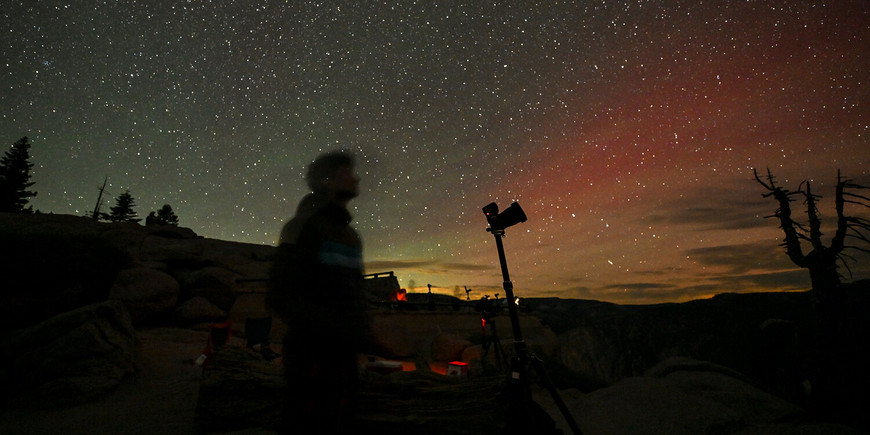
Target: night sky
627 131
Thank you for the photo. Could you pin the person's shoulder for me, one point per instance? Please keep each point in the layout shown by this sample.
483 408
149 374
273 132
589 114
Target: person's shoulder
307 210
289 233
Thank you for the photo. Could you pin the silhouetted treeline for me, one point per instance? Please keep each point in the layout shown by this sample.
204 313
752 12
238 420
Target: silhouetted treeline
15 178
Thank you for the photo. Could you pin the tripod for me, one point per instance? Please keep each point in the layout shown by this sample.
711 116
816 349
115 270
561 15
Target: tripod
518 387
486 321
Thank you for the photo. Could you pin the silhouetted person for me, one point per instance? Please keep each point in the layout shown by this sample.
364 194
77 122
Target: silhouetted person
316 288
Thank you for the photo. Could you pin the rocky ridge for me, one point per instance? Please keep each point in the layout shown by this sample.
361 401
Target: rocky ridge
82 294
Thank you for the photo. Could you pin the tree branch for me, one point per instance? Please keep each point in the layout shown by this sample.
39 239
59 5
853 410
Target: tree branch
792 237
838 242
814 220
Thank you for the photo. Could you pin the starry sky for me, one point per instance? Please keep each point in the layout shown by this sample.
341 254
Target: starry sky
627 130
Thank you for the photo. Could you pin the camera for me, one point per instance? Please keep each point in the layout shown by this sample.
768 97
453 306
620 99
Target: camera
499 221
485 305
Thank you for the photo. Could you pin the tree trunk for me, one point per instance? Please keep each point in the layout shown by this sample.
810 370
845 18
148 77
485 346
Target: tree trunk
823 275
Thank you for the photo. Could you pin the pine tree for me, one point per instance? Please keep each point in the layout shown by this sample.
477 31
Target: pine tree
166 216
15 178
123 211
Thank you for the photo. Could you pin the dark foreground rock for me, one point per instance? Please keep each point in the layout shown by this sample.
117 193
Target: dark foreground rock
813 356
783 344
424 402
682 396
159 398
73 357
241 390
237 394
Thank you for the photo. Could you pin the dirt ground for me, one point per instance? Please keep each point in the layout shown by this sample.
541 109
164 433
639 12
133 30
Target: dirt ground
161 397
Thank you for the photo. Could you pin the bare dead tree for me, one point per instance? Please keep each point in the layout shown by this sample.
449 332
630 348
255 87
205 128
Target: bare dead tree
97 213
821 261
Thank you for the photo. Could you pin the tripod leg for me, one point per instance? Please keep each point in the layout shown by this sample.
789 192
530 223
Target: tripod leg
525 416
486 341
500 357
539 368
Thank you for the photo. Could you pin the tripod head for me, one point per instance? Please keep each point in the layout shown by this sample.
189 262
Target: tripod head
499 221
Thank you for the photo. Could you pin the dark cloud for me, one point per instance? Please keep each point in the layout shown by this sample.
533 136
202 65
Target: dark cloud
396 264
724 218
639 286
579 292
731 209
757 260
427 266
741 258
792 279
478 291
748 267
645 293
785 280
464 266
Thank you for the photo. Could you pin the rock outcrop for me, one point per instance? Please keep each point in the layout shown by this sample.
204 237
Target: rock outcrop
56 263
683 396
448 347
781 341
198 309
147 293
74 290
737 331
73 357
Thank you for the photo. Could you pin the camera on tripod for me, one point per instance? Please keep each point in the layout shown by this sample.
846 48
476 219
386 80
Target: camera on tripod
509 217
521 419
487 307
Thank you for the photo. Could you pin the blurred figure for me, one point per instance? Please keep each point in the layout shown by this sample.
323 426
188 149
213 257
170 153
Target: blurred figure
316 288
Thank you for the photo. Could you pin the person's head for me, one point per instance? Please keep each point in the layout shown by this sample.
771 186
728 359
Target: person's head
332 174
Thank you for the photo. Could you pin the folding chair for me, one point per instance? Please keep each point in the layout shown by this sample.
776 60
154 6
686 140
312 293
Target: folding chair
257 332
218 335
